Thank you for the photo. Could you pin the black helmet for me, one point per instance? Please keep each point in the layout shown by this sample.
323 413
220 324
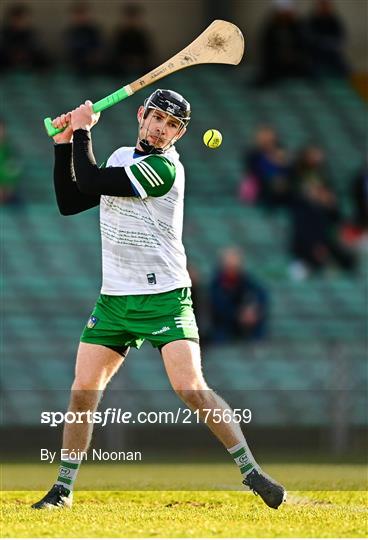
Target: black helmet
169 102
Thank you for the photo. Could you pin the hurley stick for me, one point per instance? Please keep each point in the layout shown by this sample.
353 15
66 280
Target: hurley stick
221 43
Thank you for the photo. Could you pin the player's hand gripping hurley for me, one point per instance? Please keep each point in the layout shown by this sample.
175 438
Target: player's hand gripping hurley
221 43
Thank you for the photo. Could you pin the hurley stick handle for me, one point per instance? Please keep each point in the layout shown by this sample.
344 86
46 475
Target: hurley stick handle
99 106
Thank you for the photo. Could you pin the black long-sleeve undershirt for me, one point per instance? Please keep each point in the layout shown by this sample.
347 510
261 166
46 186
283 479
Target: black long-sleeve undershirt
94 181
78 181
68 197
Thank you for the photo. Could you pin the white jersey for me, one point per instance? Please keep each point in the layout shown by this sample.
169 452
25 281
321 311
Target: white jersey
142 250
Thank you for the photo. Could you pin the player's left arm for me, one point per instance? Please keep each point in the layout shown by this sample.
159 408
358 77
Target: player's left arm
153 176
91 179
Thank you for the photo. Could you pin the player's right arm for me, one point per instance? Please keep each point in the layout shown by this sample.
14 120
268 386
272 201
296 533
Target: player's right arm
69 198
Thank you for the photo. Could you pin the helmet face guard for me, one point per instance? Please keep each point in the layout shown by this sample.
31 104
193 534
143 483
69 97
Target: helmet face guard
173 105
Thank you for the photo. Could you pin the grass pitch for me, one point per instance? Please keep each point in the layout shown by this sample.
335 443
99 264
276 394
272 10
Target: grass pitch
213 514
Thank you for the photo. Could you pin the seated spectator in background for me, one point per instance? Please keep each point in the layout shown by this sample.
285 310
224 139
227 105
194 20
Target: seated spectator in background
326 37
238 304
310 166
267 171
20 48
315 221
355 233
83 41
359 193
196 293
131 46
283 52
9 171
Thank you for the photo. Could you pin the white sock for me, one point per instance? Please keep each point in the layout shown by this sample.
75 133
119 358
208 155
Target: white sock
68 472
243 457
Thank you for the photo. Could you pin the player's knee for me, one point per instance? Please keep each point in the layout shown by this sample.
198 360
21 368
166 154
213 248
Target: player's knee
84 400
85 394
89 381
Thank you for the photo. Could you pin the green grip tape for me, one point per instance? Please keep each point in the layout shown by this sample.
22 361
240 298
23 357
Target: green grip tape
99 106
112 99
51 130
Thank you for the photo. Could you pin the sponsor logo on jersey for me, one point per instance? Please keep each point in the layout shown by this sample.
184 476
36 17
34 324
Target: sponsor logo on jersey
151 278
92 321
161 331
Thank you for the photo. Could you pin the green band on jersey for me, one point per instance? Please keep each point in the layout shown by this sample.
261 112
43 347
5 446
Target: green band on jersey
156 174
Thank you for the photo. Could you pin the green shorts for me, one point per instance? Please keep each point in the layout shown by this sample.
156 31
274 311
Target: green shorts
126 321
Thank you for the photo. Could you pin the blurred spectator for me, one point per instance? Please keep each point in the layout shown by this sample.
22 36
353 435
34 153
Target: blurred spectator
19 45
360 200
267 168
309 167
131 46
238 304
195 290
282 45
9 171
315 221
83 41
326 36
355 233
